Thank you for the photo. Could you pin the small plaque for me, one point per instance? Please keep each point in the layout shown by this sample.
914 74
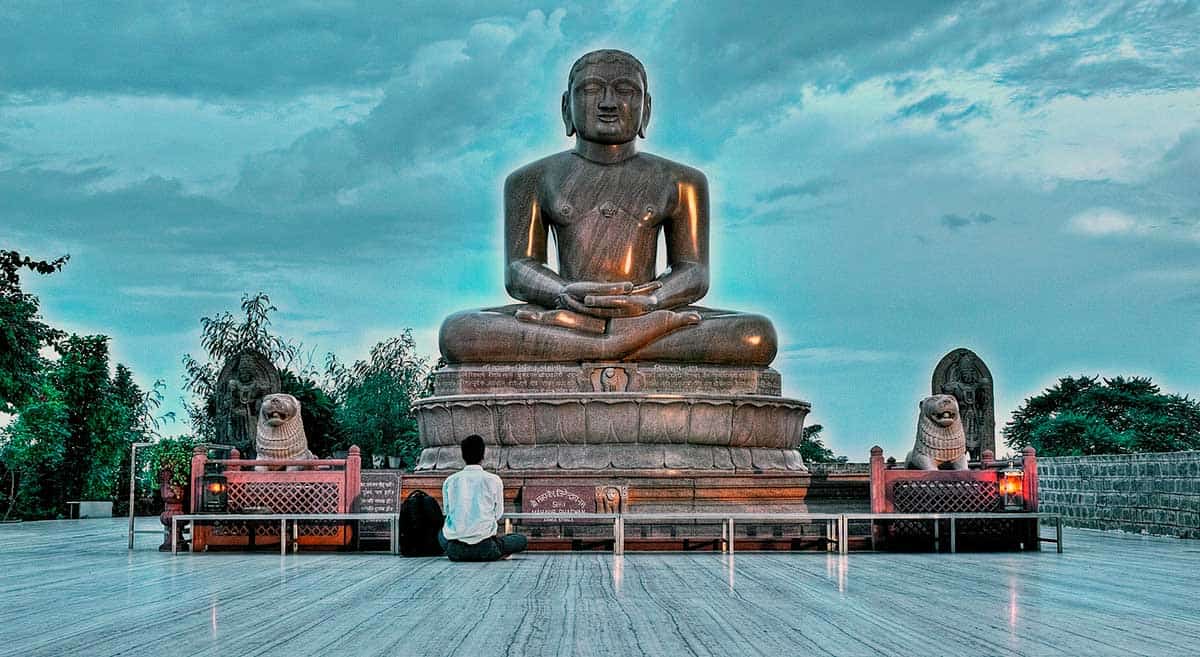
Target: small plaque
558 499
380 493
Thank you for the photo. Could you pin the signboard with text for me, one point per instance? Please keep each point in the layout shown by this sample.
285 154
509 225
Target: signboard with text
380 493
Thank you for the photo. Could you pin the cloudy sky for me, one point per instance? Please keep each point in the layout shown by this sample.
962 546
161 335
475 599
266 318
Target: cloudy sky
890 180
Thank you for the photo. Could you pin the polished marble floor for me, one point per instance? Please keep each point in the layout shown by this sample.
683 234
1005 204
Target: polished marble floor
71 588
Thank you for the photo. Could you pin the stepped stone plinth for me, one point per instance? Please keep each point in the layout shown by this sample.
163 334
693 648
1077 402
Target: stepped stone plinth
623 416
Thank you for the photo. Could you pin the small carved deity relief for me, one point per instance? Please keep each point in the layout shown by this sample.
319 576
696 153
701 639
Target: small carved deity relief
244 380
611 378
964 375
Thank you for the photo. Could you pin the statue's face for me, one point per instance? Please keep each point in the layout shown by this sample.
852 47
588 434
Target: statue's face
607 101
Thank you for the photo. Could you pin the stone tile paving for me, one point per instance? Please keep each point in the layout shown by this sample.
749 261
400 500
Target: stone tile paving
71 588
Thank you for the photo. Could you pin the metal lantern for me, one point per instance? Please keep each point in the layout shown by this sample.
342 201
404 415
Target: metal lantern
1012 488
214 495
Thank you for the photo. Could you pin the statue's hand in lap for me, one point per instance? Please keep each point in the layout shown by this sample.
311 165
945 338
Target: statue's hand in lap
609 300
585 306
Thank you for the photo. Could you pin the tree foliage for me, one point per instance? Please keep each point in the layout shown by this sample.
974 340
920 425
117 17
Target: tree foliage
813 450
32 448
72 442
1091 415
22 332
366 404
375 397
222 336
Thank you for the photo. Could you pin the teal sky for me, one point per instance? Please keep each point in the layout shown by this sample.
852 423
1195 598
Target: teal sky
890 180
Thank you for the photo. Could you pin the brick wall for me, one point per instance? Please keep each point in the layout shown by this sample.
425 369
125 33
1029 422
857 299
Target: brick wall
1154 493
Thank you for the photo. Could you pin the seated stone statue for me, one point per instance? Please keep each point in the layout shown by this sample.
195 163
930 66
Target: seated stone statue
605 205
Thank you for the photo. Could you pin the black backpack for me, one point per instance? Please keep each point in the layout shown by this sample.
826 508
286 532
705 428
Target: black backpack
420 523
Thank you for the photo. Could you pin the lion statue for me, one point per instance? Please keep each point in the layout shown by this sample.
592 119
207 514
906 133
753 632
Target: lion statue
281 431
940 436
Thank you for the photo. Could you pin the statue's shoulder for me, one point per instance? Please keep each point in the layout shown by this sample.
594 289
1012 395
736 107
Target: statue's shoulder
538 169
676 171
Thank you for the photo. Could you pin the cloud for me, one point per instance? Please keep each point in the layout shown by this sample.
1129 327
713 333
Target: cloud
958 221
1106 222
947 120
837 355
812 187
212 50
447 116
926 106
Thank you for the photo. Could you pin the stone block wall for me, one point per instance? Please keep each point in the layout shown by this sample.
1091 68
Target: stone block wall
1154 493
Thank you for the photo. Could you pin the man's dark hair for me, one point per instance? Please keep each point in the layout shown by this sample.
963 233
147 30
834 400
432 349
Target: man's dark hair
472 449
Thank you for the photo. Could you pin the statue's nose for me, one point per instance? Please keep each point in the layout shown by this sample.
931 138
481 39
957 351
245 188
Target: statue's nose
608 100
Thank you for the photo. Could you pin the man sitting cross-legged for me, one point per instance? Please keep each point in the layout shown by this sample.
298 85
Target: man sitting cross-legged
474 501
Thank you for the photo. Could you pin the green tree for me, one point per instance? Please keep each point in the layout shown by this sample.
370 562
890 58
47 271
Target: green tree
813 450
222 336
375 398
22 332
1090 415
32 448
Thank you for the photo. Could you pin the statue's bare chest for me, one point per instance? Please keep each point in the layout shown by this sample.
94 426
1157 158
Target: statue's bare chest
583 202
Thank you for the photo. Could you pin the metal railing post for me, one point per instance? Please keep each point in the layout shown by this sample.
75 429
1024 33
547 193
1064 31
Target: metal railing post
133 484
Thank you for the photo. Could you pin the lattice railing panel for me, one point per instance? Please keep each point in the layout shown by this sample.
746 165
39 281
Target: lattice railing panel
280 497
946 497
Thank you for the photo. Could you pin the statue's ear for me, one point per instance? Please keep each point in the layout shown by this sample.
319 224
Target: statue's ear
645 117
568 120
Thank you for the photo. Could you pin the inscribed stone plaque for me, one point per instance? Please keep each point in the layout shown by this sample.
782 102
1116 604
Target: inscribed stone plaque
558 499
380 493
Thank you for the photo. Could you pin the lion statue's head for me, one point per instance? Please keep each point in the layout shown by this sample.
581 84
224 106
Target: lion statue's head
280 428
941 410
940 436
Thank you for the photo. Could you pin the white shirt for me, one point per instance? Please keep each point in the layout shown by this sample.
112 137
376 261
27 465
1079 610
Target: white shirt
473 501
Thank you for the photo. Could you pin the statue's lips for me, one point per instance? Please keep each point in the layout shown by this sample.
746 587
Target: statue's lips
608 118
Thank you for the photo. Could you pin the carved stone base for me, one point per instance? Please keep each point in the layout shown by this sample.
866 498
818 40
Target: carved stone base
619 457
525 378
622 416
670 491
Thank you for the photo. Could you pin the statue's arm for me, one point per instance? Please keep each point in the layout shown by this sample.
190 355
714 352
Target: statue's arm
686 230
526 276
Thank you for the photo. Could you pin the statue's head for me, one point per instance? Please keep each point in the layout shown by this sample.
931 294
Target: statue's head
246 370
607 100
278 409
941 410
967 371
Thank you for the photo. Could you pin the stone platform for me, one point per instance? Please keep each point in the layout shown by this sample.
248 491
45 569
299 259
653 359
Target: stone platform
613 416
70 588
